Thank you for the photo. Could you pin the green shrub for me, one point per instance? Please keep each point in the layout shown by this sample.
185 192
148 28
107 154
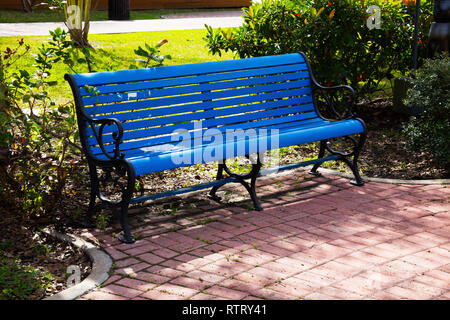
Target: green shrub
37 138
430 91
39 148
333 34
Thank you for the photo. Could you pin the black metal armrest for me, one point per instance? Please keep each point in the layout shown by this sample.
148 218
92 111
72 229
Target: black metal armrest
116 135
328 94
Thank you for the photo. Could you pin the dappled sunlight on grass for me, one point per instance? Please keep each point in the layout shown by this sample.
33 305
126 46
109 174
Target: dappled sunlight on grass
116 52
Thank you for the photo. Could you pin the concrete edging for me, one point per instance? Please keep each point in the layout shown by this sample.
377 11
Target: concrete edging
101 265
390 181
365 178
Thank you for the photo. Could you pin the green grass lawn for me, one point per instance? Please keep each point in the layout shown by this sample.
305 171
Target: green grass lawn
97 15
186 46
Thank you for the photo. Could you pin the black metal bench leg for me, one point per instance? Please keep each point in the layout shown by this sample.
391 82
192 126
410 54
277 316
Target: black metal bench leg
126 198
212 194
127 237
358 181
252 191
321 154
251 188
87 221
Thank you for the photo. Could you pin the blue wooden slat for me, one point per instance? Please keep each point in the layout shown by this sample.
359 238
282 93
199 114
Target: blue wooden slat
213 122
300 69
243 126
244 100
124 76
225 114
229 102
161 110
130 135
192 98
167 120
182 90
196 116
259 106
134 147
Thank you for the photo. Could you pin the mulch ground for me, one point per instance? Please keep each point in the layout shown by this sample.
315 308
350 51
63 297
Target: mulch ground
25 245
384 155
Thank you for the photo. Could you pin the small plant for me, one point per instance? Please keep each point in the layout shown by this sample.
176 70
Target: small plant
103 220
19 281
6 244
40 160
430 92
169 208
137 236
206 221
150 54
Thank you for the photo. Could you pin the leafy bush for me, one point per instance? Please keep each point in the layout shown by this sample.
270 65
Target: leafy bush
430 131
35 133
39 150
333 34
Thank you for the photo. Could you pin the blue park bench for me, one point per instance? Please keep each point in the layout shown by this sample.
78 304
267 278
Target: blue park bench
136 122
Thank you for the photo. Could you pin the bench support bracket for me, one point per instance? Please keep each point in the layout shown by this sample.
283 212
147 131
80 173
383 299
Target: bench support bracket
240 178
119 208
349 158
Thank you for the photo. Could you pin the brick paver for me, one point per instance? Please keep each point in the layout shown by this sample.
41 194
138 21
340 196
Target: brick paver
317 238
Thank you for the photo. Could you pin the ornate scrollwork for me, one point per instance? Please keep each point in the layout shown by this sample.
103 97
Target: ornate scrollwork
117 177
116 135
112 176
241 178
255 169
342 153
334 100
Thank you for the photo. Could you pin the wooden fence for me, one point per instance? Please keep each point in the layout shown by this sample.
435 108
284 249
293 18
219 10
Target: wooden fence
152 4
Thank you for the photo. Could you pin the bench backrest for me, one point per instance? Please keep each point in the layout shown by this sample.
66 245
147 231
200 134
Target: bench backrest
153 103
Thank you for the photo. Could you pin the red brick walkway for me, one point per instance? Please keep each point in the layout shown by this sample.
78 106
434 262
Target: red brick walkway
317 238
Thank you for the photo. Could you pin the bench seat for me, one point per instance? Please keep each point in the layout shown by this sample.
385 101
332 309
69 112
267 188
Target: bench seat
153 158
